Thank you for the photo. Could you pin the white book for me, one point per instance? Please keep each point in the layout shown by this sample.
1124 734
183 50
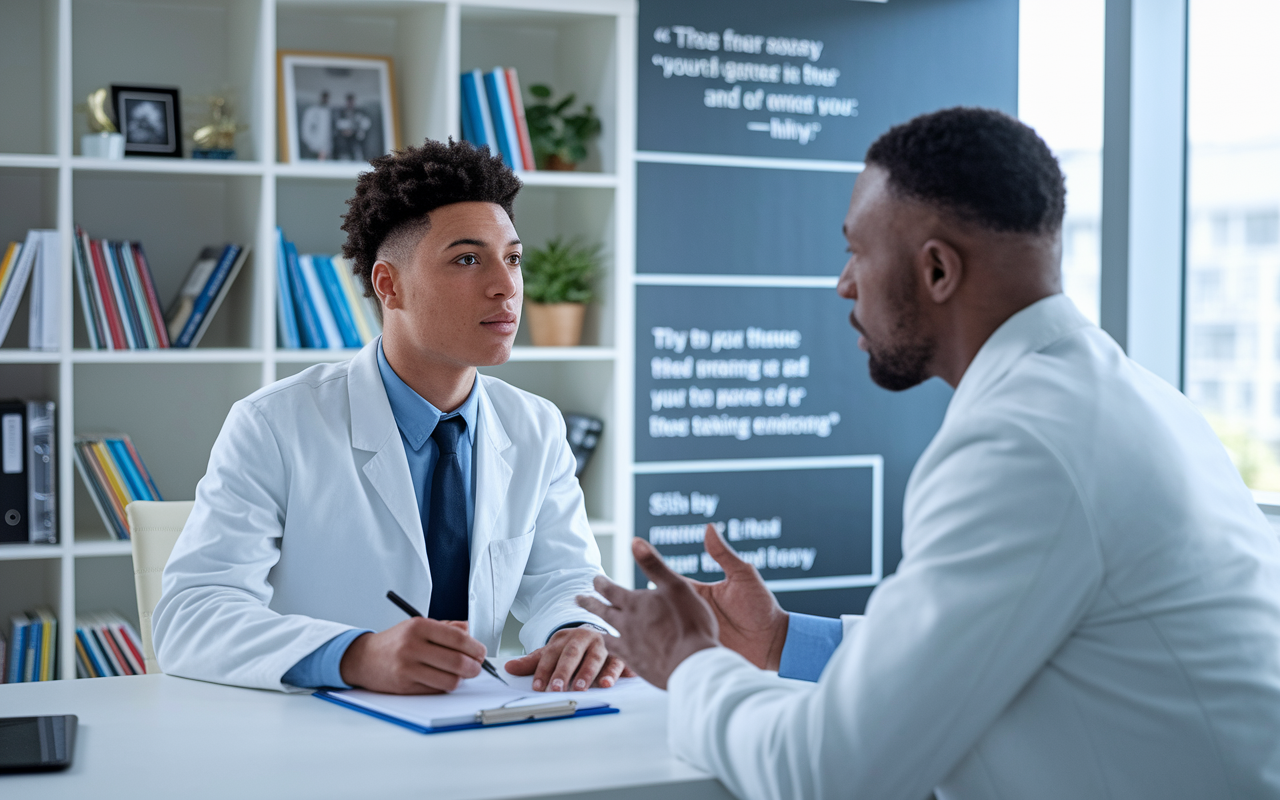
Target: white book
315 291
46 291
15 281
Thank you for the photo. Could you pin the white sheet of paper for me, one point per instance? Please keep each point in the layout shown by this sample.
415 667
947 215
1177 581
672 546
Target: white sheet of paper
475 695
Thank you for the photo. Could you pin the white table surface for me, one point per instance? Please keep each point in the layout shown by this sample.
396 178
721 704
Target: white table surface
160 736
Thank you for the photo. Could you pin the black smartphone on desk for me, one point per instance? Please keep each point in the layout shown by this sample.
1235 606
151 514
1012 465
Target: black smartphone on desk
37 744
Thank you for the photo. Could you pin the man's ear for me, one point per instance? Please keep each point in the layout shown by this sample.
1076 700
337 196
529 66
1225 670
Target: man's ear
941 269
386 282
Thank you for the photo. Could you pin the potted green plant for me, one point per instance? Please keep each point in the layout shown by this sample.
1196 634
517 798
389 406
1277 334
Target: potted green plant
558 283
559 136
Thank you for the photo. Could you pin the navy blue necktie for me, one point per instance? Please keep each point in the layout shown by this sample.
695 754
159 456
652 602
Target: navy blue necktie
448 548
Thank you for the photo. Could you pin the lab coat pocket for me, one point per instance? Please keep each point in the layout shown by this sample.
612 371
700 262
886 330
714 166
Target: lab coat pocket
507 558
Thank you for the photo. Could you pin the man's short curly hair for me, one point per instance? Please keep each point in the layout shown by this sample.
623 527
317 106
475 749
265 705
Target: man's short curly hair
982 165
388 215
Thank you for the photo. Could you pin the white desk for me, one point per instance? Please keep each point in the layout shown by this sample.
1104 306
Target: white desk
165 737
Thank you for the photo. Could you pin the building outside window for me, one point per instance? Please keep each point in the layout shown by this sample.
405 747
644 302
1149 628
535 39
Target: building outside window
1232 352
1060 86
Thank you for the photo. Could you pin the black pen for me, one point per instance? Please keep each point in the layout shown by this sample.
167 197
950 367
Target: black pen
486 665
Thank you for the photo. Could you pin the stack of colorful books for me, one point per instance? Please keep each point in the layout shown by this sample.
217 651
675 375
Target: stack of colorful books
117 295
107 646
115 476
320 302
493 116
32 647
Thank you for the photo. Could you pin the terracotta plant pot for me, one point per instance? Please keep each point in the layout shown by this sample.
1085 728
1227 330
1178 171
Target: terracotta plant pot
555 162
555 324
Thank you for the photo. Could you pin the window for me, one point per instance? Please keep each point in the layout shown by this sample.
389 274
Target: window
1214 342
1262 228
1233 228
1064 105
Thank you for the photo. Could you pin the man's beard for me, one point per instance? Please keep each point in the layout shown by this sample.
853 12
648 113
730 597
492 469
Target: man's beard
904 362
902 365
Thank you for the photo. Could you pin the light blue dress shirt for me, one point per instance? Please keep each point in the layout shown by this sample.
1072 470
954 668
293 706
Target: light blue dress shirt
809 645
416 419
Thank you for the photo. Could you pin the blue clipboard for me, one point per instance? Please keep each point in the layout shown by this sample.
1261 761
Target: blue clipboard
413 726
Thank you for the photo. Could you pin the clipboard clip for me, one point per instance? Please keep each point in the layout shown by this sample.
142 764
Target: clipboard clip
501 716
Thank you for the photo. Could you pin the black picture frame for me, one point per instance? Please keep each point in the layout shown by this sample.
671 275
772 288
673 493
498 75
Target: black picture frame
150 118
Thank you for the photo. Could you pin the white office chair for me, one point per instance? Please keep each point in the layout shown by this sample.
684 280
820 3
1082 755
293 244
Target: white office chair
153 527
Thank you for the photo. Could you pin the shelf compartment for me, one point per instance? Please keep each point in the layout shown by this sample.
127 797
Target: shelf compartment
174 216
412 34
29 64
107 584
172 412
570 52
27 584
584 387
545 212
203 47
28 199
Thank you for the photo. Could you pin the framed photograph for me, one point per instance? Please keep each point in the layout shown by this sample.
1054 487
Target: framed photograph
336 107
149 118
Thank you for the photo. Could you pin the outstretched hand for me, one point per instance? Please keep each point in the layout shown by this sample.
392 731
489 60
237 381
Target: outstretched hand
660 627
750 619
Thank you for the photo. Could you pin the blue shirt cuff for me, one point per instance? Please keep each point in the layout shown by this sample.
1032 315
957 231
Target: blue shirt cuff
323 667
810 643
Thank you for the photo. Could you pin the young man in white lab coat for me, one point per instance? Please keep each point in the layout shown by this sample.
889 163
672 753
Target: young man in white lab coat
401 470
1088 603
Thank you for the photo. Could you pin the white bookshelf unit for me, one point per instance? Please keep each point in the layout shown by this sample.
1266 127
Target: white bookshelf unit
173 402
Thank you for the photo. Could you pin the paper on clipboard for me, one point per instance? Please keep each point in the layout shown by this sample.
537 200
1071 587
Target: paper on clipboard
463 706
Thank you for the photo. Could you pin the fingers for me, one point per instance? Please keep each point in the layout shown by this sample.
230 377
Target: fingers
451 636
592 660
446 660
524 665
460 624
593 604
610 672
611 591
652 564
628 672
570 658
720 550
548 657
429 680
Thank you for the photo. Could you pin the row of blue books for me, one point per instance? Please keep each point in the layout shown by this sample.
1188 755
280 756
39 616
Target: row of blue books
107 646
320 302
32 648
493 116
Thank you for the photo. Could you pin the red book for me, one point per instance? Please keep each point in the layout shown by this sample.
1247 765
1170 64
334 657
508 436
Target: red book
115 649
115 325
137 651
130 653
522 126
153 303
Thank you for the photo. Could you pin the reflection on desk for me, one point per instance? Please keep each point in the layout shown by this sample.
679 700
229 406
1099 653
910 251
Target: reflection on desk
160 736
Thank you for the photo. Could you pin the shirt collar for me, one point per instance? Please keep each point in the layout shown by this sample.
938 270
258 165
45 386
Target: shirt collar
415 416
1028 331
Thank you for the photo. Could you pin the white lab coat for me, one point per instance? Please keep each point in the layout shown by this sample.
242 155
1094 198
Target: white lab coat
1088 606
307 516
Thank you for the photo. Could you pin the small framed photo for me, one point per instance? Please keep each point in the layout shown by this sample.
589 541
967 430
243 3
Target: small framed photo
150 120
336 107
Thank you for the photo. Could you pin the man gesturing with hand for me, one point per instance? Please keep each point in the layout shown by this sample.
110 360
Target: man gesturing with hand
1088 602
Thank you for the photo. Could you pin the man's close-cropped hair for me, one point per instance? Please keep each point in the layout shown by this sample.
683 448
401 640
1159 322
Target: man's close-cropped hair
984 166
389 210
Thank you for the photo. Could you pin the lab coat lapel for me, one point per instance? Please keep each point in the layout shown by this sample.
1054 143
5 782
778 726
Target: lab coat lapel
493 476
373 429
